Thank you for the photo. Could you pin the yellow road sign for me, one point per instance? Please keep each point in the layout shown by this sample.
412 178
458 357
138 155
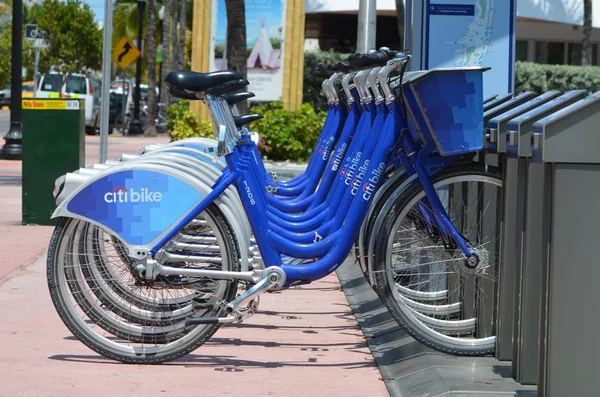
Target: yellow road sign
125 53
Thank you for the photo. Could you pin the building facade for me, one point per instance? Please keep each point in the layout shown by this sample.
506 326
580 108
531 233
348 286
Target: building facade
548 31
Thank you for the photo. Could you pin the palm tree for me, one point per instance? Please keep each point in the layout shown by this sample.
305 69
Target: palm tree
237 48
586 54
179 49
166 42
150 129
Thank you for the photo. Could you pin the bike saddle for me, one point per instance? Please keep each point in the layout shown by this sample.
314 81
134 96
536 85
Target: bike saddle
181 94
241 121
233 99
198 82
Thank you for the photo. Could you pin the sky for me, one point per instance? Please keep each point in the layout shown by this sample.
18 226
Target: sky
97 7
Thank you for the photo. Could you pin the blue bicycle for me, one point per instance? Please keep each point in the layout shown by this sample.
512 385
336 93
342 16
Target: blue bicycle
304 228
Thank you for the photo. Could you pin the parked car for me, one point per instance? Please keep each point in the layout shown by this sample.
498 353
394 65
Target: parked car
76 86
5 96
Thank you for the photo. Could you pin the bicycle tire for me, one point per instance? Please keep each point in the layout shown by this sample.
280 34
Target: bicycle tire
181 346
400 311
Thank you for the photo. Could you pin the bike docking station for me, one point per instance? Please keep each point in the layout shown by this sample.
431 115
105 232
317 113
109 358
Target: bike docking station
482 311
527 238
496 128
565 144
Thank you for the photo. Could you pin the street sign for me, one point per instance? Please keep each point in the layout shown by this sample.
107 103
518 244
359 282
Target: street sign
38 36
125 53
32 32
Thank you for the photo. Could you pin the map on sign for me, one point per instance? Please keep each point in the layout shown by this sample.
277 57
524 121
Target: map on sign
473 33
125 53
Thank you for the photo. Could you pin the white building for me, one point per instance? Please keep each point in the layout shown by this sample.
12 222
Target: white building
548 31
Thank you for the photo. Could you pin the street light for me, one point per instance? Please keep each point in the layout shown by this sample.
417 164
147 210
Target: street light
13 149
159 53
135 127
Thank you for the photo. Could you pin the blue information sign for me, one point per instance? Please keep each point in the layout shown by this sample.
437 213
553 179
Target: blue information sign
471 33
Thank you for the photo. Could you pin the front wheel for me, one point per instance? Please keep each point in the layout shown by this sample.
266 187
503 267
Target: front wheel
426 283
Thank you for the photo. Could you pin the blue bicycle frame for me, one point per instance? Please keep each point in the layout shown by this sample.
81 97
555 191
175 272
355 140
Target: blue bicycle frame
419 158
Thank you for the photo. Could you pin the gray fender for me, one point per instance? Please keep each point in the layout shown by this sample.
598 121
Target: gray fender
207 158
89 204
128 157
378 222
362 258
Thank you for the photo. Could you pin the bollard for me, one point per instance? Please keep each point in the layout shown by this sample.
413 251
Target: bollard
527 239
566 144
53 144
506 268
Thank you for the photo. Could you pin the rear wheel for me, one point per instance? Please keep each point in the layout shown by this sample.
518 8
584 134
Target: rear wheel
118 319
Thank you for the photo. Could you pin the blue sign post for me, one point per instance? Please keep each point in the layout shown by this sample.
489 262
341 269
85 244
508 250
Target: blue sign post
450 33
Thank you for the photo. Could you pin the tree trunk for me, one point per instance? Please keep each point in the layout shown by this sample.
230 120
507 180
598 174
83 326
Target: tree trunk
166 64
151 50
586 54
175 30
182 28
237 49
400 20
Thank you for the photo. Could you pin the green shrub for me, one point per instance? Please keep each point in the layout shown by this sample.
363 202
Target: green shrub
182 123
288 135
539 78
312 90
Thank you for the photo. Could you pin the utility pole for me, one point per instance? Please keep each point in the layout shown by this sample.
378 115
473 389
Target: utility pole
367 26
13 149
135 127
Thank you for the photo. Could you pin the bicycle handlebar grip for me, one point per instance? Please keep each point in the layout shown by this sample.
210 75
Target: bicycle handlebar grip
376 58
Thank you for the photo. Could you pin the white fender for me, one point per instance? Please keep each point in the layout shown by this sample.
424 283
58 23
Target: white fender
140 203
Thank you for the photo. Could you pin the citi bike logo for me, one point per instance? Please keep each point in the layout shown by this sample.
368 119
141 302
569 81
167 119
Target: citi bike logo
355 183
339 155
326 151
121 194
348 172
369 186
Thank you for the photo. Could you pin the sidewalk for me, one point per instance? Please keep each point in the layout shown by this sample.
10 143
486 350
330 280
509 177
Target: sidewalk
302 342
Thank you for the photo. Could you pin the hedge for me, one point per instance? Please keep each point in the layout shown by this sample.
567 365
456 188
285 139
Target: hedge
533 77
285 135
539 78
312 90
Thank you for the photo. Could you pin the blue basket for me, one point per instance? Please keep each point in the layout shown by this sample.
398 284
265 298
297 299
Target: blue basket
446 106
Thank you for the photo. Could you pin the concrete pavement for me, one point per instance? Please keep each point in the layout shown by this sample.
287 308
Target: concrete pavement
302 342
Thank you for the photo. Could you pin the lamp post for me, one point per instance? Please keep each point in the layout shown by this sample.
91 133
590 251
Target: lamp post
159 55
13 149
135 127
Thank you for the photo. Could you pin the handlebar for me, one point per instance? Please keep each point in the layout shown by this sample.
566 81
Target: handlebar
357 62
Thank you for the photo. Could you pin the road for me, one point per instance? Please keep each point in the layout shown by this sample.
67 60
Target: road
4 122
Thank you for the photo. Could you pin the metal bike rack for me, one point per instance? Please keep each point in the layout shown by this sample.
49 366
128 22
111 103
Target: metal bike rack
496 102
527 213
566 145
490 99
507 258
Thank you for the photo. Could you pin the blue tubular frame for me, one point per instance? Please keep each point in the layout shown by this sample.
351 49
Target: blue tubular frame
335 231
